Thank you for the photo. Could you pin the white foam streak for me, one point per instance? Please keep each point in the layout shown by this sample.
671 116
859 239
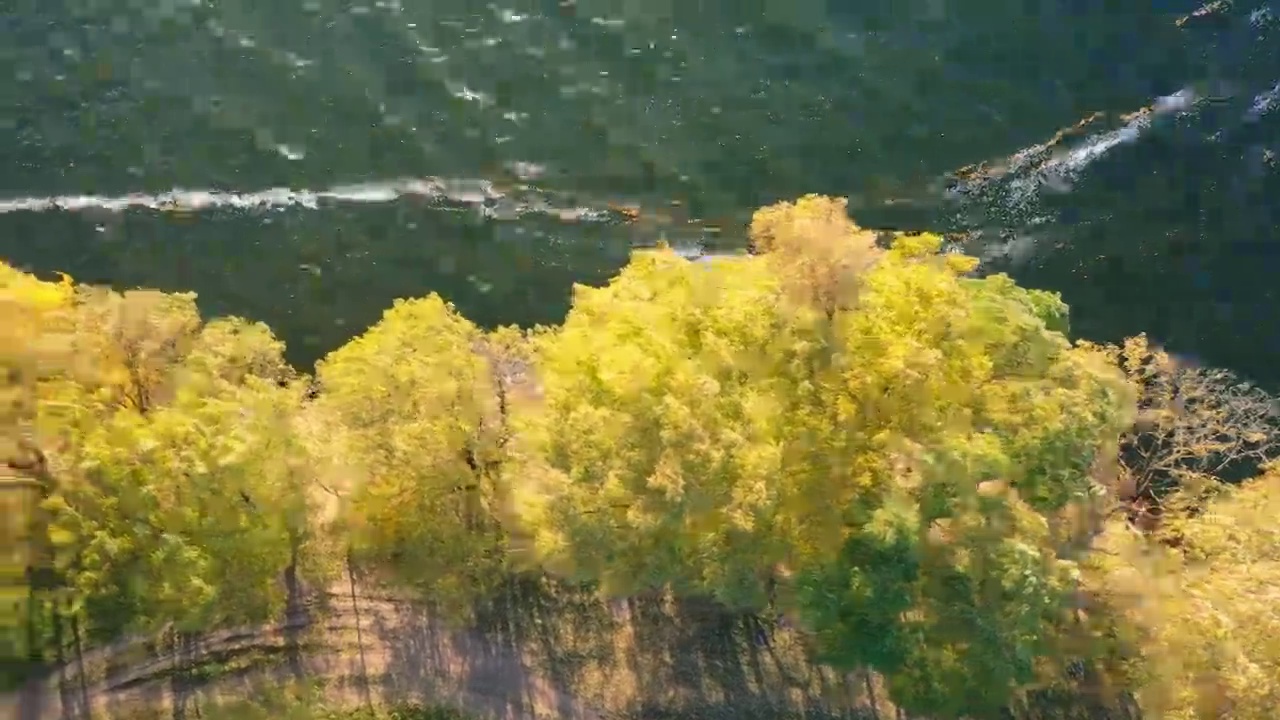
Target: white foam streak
1264 103
478 194
1078 159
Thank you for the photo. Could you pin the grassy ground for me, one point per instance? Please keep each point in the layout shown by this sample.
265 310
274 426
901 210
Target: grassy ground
296 701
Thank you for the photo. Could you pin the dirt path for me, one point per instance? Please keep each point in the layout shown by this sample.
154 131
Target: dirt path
375 650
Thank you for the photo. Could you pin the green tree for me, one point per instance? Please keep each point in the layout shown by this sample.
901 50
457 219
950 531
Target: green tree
980 427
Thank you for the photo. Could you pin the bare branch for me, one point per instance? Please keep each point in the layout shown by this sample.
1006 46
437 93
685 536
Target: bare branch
1194 424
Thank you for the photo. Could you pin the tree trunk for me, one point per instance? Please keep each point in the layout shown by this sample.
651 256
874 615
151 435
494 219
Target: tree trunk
355 609
295 612
32 696
177 676
871 694
32 463
86 709
60 659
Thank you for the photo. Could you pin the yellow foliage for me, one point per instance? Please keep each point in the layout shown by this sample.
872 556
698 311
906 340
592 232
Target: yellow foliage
901 455
1208 611
412 404
702 429
34 328
657 444
133 341
819 251
172 488
1194 425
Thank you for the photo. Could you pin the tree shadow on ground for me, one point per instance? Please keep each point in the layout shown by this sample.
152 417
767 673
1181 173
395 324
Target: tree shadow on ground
537 647
561 632
656 656
733 665
426 658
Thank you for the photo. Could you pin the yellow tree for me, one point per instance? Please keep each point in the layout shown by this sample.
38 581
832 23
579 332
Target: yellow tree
818 253
654 454
34 327
414 420
1206 612
179 493
884 434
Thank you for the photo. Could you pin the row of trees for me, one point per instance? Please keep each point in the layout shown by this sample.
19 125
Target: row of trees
911 461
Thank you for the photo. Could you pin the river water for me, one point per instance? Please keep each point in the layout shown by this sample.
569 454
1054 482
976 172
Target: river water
304 162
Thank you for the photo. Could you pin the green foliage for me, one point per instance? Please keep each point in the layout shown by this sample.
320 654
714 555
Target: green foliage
865 592
414 411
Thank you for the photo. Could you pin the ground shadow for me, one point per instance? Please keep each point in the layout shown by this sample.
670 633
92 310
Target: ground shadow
652 655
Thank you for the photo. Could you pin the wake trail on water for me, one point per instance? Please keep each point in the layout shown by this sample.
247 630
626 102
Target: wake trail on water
1054 165
479 196
1009 193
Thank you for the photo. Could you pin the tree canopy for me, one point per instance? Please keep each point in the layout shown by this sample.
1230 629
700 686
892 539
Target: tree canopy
892 445
172 487
1205 603
911 461
413 416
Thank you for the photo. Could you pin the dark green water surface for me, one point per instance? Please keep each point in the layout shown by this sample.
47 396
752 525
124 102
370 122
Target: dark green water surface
693 112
